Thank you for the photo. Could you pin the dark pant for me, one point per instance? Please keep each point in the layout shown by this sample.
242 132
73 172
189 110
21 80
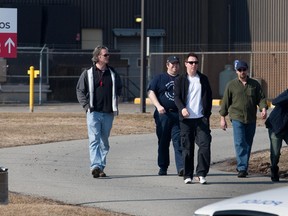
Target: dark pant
167 128
196 131
275 149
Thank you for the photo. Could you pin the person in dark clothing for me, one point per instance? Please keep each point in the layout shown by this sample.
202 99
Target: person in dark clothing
193 98
277 124
97 91
160 92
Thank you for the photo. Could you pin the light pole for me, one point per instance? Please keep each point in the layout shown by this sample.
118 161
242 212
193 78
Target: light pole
143 60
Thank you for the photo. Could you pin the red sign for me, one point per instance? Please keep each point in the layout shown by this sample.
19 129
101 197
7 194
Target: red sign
8 45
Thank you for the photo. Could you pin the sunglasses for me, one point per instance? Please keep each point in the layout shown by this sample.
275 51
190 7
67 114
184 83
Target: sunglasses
193 62
242 69
106 55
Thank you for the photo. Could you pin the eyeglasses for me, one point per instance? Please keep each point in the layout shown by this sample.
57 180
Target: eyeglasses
193 62
106 55
242 69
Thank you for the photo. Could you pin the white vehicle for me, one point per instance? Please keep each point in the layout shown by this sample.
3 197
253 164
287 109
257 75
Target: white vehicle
273 202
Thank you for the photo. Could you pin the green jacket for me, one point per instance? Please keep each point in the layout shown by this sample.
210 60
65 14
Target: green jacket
241 102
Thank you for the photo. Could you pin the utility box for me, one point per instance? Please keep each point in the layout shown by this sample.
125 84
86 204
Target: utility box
225 76
3 185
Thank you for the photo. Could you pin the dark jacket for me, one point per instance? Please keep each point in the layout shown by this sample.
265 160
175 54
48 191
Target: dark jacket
278 118
241 102
181 93
82 88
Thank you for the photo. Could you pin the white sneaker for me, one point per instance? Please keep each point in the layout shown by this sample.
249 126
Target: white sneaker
202 180
188 181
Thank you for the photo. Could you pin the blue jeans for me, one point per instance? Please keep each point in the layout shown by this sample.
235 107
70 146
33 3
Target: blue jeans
275 148
243 139
99 126
167 128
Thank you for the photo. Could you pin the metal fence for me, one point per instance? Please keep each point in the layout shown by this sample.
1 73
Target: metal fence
60 70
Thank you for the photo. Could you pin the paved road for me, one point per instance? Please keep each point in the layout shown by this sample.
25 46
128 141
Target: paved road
61 171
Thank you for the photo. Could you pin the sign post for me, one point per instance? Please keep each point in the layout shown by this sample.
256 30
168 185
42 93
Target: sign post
8 32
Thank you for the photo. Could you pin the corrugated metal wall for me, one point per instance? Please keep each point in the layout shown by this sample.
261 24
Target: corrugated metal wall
182 20
200 25
269 31
259 26
179 19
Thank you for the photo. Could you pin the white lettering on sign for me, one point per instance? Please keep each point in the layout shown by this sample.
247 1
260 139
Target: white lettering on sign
263 202
8 44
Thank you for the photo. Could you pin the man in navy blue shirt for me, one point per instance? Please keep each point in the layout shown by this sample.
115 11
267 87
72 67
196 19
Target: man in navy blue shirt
161 93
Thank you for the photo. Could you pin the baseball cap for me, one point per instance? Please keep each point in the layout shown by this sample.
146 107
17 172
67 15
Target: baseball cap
240 64
173 59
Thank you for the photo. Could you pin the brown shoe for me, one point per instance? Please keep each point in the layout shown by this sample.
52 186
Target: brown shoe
102 174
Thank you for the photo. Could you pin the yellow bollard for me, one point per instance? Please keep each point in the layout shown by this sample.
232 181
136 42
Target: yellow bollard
33 74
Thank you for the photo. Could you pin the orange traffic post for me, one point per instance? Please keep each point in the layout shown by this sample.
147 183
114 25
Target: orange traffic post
33 74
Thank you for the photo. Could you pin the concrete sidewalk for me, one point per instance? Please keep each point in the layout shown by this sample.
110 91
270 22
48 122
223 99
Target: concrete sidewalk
60 171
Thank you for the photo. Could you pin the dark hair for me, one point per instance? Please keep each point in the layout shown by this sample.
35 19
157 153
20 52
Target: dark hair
96 53
191 54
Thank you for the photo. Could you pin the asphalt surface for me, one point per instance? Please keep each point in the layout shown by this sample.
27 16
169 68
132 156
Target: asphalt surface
60 171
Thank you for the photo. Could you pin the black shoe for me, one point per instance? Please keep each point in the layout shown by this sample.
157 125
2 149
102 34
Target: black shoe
275 179
162 172
96 172
242 174
275 174
181 172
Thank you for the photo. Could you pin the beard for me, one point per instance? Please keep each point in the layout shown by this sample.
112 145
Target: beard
243 76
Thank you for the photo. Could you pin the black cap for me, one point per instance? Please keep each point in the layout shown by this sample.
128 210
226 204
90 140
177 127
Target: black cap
173 59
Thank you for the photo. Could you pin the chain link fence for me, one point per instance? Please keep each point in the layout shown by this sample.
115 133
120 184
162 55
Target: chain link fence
60 70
